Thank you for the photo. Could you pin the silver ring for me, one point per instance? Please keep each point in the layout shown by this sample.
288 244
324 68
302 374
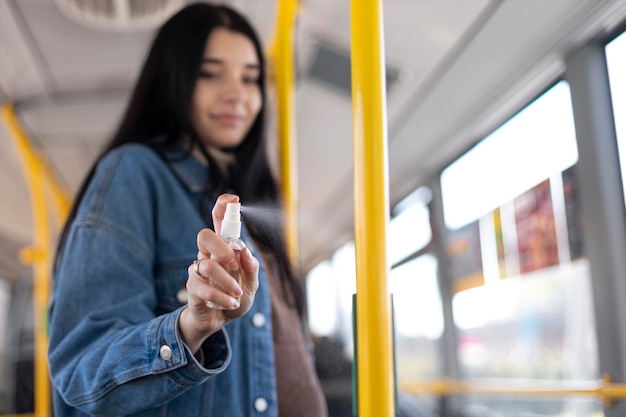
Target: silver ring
209 304
196 268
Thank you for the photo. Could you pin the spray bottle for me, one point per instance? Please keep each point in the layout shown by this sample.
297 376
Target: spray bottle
231 232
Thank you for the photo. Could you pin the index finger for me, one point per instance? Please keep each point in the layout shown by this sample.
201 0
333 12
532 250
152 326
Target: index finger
219 209
210 245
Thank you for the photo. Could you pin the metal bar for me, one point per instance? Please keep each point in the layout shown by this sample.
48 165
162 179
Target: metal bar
39 256
447 288
602 204
605 390
282 54
375 373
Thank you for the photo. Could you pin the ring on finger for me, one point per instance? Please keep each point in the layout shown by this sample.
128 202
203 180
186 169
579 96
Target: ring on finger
196 268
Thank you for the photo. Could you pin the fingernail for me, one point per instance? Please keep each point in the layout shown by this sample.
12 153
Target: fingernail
233 265
235 303
238 291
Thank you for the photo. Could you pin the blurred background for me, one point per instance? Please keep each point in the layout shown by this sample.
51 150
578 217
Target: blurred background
506 219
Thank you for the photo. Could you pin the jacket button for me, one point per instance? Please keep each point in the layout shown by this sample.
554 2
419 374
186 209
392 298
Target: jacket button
260 405
165 352
258 320
181 296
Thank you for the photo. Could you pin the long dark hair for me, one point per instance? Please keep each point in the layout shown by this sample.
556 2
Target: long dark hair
158 115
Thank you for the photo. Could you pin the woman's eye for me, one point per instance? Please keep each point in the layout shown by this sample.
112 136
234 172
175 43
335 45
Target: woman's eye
208 74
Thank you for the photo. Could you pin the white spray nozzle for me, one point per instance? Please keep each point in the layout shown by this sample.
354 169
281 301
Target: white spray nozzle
231 226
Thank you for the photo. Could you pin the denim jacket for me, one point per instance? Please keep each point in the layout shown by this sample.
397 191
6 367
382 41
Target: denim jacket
115 348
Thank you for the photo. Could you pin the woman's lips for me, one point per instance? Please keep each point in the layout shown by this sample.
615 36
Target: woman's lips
228 119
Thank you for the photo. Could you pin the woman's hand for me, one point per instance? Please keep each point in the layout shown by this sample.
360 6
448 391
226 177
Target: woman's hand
214 295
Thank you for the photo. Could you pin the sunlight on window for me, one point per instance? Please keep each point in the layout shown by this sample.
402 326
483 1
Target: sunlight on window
322 297
536 326
343 263
416 298
488 304
535 144
408 232
615 53
331 284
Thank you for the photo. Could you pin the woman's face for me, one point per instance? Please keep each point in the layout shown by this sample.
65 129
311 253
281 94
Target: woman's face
227 95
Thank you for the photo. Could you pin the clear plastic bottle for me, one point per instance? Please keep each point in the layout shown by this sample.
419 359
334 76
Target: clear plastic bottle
231 234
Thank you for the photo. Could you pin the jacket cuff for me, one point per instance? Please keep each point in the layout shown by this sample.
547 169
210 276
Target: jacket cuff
170 353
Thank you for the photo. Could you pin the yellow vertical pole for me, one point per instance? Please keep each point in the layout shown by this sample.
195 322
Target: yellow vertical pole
375 371
282 51
40 254
38 257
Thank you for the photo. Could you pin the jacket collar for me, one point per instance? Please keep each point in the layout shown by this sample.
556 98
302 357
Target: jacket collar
191 172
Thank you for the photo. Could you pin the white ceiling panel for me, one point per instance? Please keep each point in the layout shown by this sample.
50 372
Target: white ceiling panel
20 72
81 58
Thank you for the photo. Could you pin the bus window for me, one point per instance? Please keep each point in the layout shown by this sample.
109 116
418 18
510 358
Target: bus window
616 63
537 143
418 327
521 283
330 286
418 320
409 228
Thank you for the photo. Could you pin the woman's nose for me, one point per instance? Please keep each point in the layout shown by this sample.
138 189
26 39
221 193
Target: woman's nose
234 90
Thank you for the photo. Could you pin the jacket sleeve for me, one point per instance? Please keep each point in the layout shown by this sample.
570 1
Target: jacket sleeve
109 354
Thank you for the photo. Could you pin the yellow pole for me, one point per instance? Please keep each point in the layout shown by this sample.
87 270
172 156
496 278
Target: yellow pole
373 308
39 255
282 53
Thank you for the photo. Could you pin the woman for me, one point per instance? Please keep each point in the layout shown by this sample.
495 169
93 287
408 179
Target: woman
145 318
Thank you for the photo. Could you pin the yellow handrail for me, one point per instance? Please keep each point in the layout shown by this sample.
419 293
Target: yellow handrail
604 389
374 356
281 53
39 255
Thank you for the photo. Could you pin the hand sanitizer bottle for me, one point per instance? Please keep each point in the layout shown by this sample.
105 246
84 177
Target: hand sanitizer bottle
231 232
